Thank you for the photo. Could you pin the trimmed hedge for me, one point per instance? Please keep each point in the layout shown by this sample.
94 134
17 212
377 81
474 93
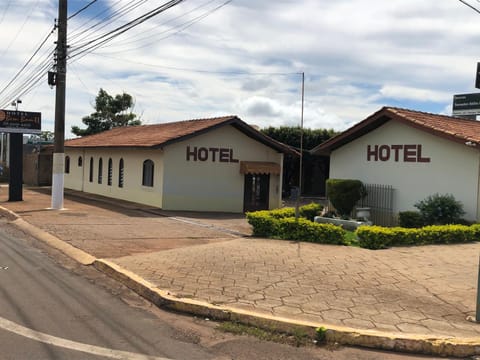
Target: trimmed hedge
306 230
310 211
377 237
277 224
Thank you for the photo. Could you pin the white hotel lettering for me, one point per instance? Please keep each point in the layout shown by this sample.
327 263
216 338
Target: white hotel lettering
212 154
405 153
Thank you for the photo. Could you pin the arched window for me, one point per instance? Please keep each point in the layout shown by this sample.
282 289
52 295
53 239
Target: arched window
67 164
100 170
109 177
90 174
147 178
120 173
80 161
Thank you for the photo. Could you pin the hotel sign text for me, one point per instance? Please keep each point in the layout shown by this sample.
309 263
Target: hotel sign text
404 153
213 154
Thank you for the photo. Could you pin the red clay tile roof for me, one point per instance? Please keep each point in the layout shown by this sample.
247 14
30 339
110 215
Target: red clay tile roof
160 135
452 128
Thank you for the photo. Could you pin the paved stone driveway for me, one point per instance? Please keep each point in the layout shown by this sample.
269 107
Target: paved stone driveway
422 290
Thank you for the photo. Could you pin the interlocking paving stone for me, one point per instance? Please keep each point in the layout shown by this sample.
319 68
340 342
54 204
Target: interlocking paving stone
421 290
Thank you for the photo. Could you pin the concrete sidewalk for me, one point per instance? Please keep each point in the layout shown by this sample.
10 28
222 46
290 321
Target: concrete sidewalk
414 299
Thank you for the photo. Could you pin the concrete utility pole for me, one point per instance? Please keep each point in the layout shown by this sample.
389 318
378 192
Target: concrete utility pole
297 203
58 151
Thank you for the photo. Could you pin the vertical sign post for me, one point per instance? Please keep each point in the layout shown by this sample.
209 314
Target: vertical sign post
17 123
15 183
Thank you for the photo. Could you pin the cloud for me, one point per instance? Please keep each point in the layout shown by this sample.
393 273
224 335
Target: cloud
245 58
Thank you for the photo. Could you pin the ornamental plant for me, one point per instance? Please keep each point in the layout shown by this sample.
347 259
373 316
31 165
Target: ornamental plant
439 209
344 194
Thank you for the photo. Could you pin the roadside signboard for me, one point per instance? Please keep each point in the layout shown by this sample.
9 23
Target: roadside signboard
25 122
466 104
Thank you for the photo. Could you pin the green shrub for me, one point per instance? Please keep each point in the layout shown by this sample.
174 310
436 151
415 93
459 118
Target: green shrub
310 211
440 209
264 225
344 194
282 212
410 219
305 230
377 237
274 224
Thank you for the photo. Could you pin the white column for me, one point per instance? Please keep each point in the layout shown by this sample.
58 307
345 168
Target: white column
58 169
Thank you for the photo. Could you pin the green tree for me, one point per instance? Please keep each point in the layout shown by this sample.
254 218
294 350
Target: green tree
110 112
315 168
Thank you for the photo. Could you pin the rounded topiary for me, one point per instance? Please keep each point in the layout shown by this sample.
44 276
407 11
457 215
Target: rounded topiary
344 194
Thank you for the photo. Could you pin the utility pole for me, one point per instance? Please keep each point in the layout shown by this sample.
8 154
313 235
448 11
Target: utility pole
58 150
297 204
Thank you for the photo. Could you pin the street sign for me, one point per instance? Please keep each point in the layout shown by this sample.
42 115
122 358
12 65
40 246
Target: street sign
466 104
25 122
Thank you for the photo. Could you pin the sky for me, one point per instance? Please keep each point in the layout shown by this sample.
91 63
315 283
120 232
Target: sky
206 58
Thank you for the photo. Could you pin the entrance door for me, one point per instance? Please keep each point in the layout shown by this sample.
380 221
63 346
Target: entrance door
257 188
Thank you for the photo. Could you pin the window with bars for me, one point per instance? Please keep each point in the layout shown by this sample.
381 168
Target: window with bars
100 170
90 174
109 177
120 173
67 164
147 178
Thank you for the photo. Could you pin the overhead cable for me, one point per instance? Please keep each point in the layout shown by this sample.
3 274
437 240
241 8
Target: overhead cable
470 6
100 40
82 9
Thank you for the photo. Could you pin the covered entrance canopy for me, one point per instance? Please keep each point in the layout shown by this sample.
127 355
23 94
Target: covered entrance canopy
259 167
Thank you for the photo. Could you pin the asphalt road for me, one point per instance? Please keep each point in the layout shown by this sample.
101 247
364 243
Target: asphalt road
52 308
47 312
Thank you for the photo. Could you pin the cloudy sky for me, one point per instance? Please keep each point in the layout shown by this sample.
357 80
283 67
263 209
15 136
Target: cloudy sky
205 58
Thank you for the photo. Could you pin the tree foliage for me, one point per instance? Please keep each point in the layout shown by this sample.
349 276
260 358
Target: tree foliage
110 112
315 168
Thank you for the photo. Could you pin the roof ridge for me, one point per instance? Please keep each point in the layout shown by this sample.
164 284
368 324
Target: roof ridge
450 117
192 120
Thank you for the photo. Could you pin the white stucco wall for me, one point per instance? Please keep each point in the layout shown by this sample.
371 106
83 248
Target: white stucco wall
213 185
453 168
132 189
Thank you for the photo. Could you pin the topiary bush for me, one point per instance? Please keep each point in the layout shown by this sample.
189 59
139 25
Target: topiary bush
410 219
344 194
440 209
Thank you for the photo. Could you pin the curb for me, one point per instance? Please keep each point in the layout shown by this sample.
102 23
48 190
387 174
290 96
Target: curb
412 343
419 344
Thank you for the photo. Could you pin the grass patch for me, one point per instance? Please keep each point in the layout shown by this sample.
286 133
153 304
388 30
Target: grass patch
351 238
297 338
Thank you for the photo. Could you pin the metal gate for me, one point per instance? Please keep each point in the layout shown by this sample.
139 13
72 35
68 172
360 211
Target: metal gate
380 201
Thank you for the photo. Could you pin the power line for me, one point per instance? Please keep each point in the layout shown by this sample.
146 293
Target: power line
20 30
122 11
28 61
91 45
181 27
5 11
470 6
82 9
164 23
233 73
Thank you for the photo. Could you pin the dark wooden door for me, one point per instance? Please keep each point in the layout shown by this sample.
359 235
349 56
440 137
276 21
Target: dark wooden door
257 188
